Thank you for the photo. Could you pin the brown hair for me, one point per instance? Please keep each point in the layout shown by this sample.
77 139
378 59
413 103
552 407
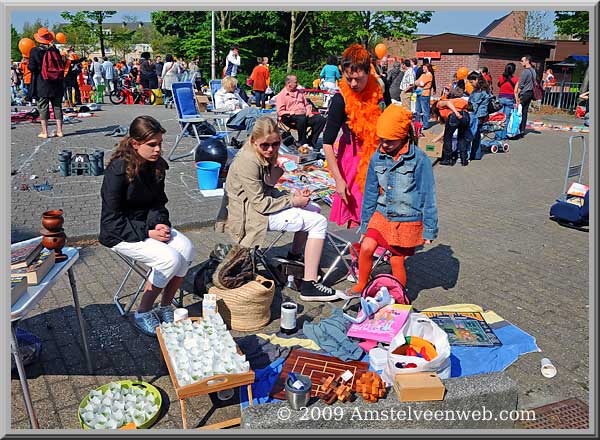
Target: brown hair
141 129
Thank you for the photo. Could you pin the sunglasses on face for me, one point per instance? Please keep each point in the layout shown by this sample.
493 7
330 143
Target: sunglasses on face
265 145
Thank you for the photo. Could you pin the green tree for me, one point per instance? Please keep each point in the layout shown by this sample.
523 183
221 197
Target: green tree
120 40
573 23
97 18
29 29
79 33
577 25
15 53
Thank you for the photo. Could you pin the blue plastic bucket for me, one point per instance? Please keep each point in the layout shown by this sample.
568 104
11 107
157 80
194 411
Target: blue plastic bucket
208 174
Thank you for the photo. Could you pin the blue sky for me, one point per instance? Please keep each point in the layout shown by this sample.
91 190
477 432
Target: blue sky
462 22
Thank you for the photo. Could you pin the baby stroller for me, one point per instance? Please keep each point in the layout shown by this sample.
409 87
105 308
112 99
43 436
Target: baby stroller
572 208
495 123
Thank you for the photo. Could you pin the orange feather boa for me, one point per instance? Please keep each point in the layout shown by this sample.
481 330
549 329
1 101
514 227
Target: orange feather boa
362 111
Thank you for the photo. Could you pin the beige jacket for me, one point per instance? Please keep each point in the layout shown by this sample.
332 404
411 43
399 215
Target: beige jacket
250 200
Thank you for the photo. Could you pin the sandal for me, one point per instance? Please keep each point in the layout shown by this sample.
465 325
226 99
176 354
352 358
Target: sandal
43 135
60 134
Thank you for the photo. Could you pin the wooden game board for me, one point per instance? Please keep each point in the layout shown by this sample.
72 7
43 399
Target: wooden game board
316 366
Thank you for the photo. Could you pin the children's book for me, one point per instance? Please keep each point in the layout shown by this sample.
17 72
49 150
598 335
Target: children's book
578 189
465 328
37 270
383 325
23 256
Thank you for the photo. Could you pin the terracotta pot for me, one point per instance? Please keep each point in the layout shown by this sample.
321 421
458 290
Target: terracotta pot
54 242
53 220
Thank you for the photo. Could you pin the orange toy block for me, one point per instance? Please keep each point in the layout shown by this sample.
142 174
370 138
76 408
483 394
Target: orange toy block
371 387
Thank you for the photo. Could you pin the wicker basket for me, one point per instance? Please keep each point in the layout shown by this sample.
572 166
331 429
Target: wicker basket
247 308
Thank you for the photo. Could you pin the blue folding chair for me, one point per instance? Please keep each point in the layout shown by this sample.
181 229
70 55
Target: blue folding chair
188 116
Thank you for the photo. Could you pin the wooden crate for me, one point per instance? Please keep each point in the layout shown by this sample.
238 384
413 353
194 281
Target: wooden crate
208 385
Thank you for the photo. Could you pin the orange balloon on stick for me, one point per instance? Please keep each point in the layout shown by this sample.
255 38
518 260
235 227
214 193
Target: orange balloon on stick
25 46
380 50
61 38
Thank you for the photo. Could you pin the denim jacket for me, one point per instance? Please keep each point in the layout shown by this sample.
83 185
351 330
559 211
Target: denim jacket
479 101
408 190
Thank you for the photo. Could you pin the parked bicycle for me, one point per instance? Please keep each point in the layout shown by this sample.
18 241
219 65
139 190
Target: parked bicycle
128 92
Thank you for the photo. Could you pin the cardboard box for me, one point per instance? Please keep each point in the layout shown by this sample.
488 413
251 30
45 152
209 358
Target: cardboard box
418 387
202 101
431 149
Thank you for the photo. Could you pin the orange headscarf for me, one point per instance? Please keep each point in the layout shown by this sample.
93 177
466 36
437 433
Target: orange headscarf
394 123
362 111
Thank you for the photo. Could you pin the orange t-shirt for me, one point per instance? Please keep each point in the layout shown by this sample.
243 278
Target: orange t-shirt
459 104
24 65
426 78
260 76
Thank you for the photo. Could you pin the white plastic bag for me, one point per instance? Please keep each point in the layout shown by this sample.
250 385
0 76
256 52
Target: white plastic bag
420 326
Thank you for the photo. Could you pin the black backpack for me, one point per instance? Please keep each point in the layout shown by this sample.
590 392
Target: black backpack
494 104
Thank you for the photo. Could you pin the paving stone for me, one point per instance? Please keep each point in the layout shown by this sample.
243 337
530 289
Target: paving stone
496 248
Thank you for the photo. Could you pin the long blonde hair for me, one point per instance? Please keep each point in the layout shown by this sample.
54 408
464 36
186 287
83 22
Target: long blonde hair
265 126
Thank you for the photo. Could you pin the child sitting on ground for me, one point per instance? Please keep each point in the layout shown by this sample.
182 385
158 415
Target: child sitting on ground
399 210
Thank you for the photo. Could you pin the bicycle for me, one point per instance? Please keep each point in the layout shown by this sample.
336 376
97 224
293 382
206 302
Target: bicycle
131 94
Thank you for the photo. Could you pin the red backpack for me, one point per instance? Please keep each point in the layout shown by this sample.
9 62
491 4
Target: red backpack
53 66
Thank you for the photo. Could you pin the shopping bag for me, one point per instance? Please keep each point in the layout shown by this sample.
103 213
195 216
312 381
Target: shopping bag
514 122
422 327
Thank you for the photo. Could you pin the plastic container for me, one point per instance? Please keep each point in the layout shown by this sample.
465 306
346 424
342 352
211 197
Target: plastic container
378 358
208 174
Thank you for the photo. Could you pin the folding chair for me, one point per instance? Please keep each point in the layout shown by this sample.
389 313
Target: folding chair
343 242
188 115
137 267
222 116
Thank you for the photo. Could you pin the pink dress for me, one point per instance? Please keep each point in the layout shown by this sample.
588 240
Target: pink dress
348 158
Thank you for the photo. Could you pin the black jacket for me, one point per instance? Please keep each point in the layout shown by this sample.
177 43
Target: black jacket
131 209
41 88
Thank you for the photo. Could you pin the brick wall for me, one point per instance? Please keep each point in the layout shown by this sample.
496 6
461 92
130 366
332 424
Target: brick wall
513 26
447 66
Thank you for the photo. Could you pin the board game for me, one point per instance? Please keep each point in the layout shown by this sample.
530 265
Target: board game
316 366
464 328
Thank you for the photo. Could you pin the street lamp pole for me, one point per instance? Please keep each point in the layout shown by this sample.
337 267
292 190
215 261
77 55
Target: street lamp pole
212 46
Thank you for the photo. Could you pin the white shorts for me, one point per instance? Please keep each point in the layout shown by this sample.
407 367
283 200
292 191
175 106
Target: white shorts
306 219
167 260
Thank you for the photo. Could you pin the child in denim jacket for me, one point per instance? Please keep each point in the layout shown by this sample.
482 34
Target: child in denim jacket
399 209
479 99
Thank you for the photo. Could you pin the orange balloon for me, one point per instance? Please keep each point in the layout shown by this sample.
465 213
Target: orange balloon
380 50
25 46
61 38
462 73
469 87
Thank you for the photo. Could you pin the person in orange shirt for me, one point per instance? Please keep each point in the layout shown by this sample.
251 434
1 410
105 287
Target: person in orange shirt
260 78
423 84
453 113
24 66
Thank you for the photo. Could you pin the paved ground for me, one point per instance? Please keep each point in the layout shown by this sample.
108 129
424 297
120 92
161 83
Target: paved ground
78 196
496 248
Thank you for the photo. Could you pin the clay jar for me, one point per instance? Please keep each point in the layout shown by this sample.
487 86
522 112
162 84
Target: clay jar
54 240
53 220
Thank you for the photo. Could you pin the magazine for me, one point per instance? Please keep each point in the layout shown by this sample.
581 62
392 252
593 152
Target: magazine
465 328
384 324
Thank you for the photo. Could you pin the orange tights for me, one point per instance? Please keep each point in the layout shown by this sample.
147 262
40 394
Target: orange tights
365 264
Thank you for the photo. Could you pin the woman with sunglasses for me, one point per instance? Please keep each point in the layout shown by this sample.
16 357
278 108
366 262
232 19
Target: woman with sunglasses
255 206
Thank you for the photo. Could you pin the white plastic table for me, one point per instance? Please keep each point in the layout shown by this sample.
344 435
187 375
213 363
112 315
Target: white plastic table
29 300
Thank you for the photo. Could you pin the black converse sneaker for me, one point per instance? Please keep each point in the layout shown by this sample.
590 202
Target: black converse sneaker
313 291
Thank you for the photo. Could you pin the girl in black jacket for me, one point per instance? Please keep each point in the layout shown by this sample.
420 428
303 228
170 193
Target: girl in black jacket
135 221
